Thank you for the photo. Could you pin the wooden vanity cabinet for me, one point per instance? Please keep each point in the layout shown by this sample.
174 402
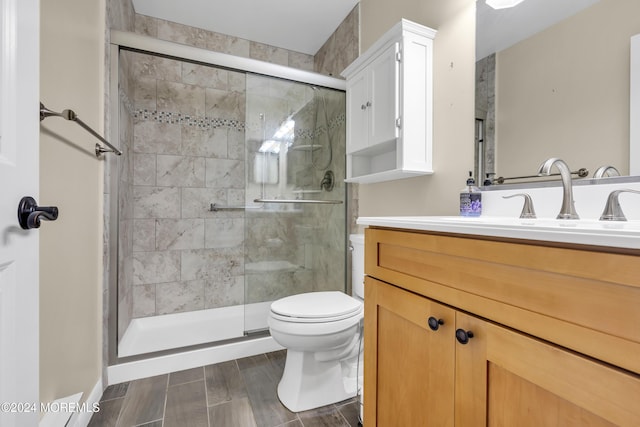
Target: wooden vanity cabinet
418 299
412 365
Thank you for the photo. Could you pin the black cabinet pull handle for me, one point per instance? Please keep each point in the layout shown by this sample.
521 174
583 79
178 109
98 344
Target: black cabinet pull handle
30 214
463 336
434 324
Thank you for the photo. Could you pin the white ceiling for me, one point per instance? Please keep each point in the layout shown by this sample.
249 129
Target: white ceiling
498 29
305 25
298 25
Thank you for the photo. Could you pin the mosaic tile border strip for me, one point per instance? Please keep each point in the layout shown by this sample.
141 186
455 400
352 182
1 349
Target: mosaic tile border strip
203 123
206 123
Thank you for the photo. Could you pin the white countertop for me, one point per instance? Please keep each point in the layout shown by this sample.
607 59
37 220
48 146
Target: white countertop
586 232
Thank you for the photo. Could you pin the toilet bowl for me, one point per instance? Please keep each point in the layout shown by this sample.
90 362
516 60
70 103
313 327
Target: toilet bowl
322 333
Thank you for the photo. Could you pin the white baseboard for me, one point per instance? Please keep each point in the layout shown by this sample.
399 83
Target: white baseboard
189 359
68 411
82 418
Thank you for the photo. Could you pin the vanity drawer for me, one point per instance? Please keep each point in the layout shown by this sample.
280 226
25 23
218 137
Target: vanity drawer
583 298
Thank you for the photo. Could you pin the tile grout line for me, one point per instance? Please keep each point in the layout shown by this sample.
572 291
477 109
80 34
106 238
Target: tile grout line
166 394
206 396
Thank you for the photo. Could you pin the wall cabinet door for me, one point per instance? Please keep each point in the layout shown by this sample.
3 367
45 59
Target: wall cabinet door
409 368
384 93
357 111
504 378
372 102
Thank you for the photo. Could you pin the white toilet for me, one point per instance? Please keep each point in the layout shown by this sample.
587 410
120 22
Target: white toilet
322 333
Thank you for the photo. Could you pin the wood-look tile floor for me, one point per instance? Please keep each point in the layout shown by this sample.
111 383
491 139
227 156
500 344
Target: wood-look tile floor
238 393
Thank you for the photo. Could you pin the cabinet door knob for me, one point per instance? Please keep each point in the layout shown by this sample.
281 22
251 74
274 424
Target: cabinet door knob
363 107
463 336
434 324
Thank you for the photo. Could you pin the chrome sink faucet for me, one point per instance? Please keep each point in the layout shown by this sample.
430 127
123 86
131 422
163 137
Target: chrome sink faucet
568 210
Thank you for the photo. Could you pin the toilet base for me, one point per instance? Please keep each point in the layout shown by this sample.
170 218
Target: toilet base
307 383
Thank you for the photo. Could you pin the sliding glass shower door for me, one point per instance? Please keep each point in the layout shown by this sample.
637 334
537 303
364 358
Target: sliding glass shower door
295 193
230 194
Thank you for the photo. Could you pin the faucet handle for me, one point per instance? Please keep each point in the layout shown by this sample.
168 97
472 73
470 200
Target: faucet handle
612 210
606 171
527 209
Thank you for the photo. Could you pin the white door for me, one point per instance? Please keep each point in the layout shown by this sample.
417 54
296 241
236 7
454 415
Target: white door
19 145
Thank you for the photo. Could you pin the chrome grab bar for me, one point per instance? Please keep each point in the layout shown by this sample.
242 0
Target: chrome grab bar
216 207
72 116
309 201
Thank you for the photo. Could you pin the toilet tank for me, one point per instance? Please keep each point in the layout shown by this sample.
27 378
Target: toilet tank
357 265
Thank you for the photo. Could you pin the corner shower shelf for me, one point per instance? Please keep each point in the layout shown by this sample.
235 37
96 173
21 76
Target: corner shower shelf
261 267
306 191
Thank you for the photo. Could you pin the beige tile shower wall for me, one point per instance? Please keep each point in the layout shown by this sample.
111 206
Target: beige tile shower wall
342 47
188 152
179 33
120 15
340 50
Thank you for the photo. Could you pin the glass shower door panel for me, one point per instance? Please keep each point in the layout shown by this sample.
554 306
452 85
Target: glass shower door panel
180 264
295 134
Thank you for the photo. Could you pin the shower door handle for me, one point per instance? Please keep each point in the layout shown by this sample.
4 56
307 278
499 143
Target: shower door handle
30 214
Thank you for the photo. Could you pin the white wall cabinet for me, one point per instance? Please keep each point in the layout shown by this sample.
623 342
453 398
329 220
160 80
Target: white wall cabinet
389 106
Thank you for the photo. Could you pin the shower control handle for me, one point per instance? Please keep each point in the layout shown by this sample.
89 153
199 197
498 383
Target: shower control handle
434 324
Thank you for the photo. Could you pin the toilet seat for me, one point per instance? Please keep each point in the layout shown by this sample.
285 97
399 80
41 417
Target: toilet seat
316 307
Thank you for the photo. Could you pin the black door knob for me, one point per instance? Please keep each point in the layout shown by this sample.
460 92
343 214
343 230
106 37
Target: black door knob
30 214
434 324
463 336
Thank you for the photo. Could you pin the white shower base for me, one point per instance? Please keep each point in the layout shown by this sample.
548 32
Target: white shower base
171 331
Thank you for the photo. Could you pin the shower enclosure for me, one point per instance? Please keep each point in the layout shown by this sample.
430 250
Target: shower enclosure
230 194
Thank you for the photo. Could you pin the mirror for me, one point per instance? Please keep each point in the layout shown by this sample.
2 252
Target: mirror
552 80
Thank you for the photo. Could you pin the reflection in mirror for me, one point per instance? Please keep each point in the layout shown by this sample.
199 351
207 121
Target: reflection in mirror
558 90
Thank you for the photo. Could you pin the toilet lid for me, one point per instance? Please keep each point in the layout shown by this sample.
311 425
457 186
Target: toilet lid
317 305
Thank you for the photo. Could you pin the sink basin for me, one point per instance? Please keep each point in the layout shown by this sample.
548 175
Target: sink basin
581 231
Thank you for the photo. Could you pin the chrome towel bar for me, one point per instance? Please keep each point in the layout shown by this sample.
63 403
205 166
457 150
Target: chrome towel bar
319 202
582 172
72 116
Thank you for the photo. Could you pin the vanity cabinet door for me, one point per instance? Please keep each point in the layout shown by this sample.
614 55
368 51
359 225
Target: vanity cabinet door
409 367
504 378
